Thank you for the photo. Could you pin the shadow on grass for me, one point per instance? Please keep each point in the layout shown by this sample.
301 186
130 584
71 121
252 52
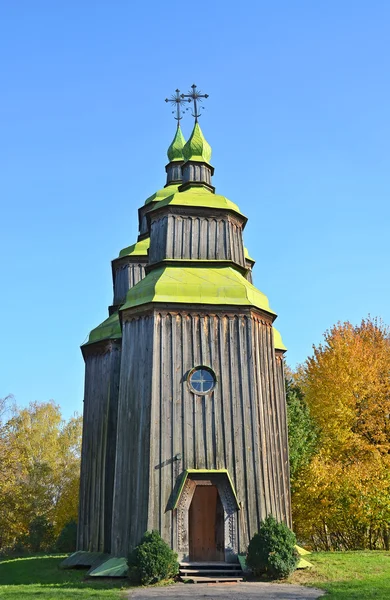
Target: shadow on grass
45 571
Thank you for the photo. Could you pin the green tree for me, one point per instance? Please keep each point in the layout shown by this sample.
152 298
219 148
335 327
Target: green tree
303 432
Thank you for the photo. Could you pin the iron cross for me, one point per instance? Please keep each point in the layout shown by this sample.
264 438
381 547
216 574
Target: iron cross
177 100
195 96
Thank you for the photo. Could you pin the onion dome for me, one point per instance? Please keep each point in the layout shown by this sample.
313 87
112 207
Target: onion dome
175 150
197 170
197 148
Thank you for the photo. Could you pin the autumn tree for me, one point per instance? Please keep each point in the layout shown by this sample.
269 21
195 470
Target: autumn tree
342 497
40 481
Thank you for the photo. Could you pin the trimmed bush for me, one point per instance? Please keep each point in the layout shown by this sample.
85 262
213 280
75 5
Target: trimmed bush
66 541
271 551
153 560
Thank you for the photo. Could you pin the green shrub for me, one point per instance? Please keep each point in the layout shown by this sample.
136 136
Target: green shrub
153 560
271 551
66 541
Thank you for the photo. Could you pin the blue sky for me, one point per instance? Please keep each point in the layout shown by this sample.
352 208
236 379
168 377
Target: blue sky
298 119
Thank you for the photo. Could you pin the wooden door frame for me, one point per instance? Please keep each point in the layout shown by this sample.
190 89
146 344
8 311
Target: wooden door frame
229 503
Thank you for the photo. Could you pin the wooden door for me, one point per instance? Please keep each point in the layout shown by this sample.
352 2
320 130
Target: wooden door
206 524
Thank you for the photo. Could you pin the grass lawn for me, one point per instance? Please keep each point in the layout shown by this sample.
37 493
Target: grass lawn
344 575
348 575
39 578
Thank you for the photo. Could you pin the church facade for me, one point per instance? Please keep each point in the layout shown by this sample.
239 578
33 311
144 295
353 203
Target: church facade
185 425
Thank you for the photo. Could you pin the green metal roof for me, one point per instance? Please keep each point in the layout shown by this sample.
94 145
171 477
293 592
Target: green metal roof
278 342
110 329
200 197
196 285
138 249
197 148
161 194
175 150
246 254
206 472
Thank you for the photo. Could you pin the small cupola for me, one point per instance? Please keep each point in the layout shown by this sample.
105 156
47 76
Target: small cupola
197 170
175 157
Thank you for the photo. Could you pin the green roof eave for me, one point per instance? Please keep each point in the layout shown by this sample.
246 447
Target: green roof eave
110 329
278 342
188 472
247 256
199 197
138 249
163 193
222 286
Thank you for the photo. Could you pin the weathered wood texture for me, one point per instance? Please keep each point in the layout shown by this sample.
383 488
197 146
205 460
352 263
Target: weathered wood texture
131 489
174 174
125 276
102 367
196 172
188 237
248 274
281 394
239 427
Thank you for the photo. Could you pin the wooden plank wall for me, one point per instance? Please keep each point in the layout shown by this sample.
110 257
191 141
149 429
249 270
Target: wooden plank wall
125 277
131 489
196 237
237 427
102 366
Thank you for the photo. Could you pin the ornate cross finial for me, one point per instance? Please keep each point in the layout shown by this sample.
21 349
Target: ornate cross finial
177 100
195 96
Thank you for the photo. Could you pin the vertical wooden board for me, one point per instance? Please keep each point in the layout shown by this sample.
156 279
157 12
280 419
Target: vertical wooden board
217 433
188 398
272 458
203 238
274 422
258 474
208 400
155 437
245 359
191 236
177 248
280 440
212 239
265 504
166 427
195 237
237 419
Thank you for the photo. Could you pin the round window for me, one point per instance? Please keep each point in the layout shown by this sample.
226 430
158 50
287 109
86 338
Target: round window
201 380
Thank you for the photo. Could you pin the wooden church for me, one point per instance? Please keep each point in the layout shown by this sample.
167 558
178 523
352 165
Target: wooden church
184 409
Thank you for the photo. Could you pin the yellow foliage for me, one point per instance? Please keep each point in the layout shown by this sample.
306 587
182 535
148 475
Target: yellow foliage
342 498
41 474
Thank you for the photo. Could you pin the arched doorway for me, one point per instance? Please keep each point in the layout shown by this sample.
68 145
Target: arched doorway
206 525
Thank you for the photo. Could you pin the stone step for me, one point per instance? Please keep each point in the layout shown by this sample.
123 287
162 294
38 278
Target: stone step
226 572
216 579
210 565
